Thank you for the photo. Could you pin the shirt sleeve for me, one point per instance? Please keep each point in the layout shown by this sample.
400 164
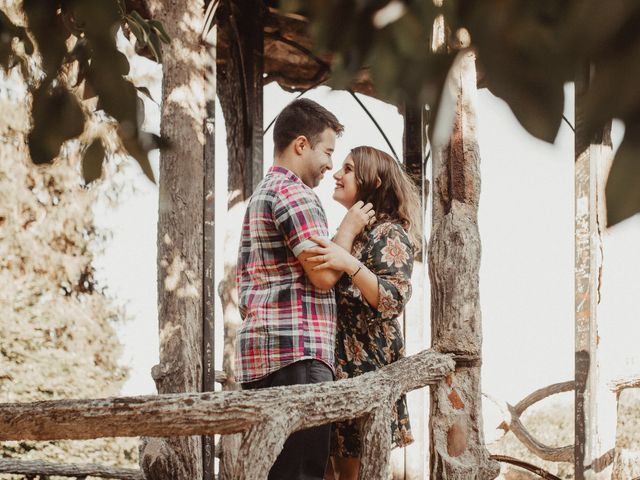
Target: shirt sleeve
298 214
390 257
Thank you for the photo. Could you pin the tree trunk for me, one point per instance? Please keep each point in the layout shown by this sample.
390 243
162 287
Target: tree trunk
456 436
180 232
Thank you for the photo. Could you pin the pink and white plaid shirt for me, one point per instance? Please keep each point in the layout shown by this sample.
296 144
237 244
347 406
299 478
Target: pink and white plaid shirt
285 317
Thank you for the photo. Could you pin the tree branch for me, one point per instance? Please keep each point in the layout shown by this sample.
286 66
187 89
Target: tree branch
37 467
221 412
527 466
630 382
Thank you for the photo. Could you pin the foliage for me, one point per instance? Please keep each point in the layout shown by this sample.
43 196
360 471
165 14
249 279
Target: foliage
527 50
57 329
77 38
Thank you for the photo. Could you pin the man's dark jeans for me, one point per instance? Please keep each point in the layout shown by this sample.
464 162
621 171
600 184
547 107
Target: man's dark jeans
305 453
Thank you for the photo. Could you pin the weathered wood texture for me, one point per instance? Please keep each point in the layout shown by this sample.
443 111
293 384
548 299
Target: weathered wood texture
240 68
180 231
456 436
621 384
31 468
591 151
208 247
288 57
526 466
515 425
265 417
240 78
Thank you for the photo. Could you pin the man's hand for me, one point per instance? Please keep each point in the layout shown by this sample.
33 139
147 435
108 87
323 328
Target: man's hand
356 219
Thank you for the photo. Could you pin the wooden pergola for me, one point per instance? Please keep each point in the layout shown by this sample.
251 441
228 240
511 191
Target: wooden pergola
251 46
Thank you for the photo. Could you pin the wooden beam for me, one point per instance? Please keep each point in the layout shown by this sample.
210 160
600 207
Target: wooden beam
590 153
415 327
208 254
220 412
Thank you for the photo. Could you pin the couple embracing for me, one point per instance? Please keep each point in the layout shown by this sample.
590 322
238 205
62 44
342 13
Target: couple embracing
317 307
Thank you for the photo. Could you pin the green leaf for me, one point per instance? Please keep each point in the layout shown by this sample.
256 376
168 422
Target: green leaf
154 45
537 106
140 21
57 117
614 92
145 91
157 26
92 161
49 33
117 95
138 31
139 147
623 185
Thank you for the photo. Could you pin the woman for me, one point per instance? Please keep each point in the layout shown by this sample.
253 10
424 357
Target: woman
376 287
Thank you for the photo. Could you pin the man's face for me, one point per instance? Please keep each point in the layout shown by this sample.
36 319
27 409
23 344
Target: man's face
316 161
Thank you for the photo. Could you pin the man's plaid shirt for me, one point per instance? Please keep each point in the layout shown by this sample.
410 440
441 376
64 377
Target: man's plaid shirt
285 317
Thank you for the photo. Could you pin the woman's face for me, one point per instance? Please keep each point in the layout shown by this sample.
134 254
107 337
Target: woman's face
346 190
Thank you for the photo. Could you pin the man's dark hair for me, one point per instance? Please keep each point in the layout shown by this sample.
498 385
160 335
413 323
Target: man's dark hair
303 117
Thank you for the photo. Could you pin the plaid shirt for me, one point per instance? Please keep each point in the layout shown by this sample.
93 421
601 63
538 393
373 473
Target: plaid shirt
285 317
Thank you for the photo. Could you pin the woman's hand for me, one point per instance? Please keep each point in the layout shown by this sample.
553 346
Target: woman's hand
330 255
356 219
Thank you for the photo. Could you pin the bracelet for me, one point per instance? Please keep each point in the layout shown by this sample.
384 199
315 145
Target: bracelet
356 272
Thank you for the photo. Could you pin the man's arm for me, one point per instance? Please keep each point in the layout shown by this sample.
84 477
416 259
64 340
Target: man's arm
354 221
322 279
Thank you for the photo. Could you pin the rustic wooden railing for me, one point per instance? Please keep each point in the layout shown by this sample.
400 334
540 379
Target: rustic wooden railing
264 417
513 423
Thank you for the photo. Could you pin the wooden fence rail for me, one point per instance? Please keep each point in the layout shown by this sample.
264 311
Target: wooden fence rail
264 417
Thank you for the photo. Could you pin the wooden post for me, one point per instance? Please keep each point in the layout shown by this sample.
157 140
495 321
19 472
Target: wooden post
240 80
208 298
240 77
240 72
591 152
414 319
180 233
456 436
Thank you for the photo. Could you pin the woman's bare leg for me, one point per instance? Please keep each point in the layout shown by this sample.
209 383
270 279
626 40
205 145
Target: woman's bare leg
346 468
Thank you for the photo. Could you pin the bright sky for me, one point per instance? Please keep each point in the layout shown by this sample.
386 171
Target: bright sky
526 226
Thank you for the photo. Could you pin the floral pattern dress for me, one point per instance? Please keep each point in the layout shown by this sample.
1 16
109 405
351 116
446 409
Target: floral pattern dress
369 338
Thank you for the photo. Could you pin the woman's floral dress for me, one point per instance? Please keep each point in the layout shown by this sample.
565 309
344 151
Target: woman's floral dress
369 338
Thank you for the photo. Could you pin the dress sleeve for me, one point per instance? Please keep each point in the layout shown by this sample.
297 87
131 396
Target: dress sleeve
298 214
390 257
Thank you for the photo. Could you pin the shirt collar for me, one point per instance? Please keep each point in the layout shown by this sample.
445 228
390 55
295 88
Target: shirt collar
278 170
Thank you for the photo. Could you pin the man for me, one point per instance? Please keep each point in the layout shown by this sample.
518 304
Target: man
288 310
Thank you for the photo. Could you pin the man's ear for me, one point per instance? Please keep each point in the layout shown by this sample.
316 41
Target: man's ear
299 144
378 182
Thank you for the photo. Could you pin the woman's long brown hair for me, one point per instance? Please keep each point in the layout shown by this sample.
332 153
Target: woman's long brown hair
396 198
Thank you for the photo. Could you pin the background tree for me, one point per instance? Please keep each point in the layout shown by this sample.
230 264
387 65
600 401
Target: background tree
57 328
